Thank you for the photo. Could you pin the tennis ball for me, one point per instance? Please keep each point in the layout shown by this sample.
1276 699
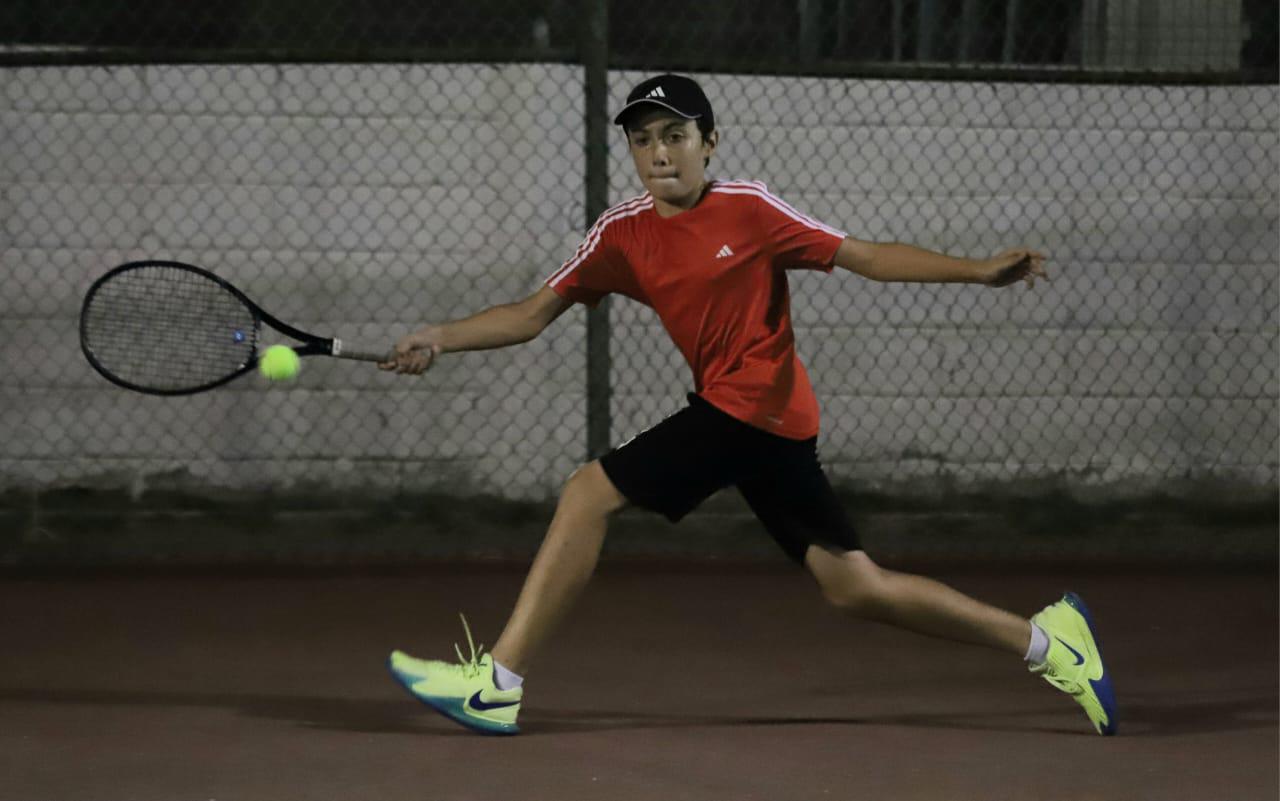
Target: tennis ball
278 363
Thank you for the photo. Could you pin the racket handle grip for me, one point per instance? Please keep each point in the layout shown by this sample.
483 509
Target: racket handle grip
343 352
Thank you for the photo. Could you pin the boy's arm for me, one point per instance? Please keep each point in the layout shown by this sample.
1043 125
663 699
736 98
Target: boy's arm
495 327
897 262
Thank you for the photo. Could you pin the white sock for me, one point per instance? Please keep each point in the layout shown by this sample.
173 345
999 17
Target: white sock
1039 648
505 679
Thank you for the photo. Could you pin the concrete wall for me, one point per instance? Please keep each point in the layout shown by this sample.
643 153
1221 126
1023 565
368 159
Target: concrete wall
361 200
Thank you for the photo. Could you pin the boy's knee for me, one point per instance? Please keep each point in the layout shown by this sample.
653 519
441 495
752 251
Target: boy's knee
850 582
589 488
858 600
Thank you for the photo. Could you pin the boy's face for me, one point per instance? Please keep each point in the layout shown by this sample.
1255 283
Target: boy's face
669 155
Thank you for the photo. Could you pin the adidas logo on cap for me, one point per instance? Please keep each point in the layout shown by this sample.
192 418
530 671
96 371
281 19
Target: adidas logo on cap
678 93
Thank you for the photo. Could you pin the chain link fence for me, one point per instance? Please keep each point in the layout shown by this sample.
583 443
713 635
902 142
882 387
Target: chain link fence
361 168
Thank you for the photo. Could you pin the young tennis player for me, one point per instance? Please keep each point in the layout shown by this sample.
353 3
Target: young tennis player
710 257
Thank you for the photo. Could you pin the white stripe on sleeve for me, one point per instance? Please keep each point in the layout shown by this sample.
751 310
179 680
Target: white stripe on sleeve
628 209
780 205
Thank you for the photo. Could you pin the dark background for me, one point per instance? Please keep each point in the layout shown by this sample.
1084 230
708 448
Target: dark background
747 34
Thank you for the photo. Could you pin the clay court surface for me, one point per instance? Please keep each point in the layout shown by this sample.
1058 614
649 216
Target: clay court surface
728 684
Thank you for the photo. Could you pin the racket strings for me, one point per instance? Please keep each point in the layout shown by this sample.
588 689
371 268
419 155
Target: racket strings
168 329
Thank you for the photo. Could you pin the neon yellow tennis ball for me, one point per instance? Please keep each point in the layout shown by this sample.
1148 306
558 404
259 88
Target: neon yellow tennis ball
279 363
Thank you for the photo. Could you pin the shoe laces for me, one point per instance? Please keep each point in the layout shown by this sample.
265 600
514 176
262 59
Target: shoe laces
469 667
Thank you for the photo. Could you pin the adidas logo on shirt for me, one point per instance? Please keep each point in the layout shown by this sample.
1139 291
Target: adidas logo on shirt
724 251
657 92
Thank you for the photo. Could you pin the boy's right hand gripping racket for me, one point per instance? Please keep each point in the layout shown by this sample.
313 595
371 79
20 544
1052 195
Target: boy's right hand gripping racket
167 328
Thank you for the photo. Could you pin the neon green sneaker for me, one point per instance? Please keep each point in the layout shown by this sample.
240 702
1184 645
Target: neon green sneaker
464 692
1074 661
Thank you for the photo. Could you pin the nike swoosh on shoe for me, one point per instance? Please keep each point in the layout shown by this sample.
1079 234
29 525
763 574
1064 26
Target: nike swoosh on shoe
1079 656
479 705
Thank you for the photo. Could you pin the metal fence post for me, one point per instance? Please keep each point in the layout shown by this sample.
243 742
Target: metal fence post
594 47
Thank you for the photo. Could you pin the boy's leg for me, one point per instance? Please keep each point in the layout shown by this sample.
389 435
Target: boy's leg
564 564
1072 662
468 692
851 581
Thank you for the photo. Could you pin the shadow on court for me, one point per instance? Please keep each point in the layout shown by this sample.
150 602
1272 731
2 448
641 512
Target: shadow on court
1143 717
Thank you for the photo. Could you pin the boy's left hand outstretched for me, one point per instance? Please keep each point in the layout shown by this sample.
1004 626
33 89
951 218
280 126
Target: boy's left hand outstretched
1012 266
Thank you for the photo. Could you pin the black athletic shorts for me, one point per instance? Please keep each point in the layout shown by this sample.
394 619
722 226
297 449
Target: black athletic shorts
679 463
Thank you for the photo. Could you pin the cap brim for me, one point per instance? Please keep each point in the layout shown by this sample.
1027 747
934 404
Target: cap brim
618 120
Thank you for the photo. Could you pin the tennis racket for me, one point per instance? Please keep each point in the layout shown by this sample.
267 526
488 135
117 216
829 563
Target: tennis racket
168 328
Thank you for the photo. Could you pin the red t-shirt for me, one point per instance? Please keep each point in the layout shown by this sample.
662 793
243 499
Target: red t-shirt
715 274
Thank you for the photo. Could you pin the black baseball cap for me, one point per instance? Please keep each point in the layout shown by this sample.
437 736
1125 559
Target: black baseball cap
673 92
